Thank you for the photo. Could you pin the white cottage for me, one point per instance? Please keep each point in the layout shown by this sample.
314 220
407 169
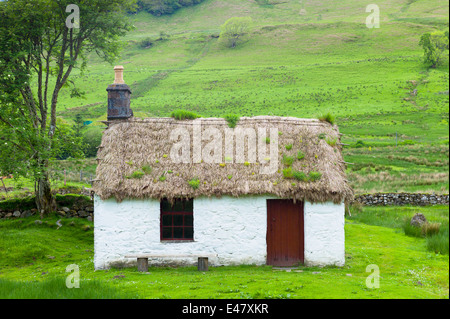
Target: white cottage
271 190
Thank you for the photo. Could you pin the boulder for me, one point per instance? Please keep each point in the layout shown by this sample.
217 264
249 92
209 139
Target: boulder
62 213
16 213
418 220
26 213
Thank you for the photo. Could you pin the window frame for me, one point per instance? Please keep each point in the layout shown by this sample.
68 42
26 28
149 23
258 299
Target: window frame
183 226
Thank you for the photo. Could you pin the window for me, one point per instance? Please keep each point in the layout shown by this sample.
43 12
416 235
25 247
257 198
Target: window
177 220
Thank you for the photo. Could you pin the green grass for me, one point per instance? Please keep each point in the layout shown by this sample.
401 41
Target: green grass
400 217
55 288
323 64
232 119
184 115
33 261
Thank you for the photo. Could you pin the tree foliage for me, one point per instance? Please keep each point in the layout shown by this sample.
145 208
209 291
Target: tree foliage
162 7
234 30
36 45
435 45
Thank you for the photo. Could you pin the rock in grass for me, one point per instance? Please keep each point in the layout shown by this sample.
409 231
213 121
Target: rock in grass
38 222
16 213
86 227
65 209
418 220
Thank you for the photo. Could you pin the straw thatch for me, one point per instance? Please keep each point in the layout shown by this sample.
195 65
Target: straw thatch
128 146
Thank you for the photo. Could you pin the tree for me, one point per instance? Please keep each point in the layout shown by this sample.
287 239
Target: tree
434 45
234 30
38 46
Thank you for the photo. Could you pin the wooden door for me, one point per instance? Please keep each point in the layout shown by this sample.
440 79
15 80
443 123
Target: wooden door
285 233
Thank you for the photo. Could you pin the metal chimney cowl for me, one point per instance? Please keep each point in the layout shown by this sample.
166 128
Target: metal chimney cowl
119 97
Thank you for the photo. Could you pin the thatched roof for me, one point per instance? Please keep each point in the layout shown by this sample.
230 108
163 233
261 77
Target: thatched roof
137 159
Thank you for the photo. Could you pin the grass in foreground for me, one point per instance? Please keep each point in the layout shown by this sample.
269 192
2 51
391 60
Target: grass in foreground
35 256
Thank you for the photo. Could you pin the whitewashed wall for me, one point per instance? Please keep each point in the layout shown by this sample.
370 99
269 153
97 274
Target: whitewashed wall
324 234
233 228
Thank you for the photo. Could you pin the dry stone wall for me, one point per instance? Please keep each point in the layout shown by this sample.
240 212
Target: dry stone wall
402 199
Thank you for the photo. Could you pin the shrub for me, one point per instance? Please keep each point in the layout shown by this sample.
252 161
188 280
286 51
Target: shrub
289 147
360 144
267 140
322 136
232 119
300 176
184 115
194 183
439 242
146 43
328 117
315 176
430 229
411 230
300 155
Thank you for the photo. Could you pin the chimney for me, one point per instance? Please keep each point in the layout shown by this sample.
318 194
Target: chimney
119 97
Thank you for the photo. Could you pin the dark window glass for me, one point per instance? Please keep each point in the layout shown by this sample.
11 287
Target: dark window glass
177 220
178 232
167 232
189 232
188 220
167 220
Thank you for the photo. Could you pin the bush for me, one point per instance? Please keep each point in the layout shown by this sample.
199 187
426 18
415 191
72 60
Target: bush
439 242
146 43
360 144
184 115
234 30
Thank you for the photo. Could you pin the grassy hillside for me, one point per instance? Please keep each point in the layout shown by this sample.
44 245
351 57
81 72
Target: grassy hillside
301 59
34 257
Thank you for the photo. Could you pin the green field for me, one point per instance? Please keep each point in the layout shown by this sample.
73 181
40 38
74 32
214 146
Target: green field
300 59
34 257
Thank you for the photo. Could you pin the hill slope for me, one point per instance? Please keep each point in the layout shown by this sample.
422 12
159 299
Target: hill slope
301 59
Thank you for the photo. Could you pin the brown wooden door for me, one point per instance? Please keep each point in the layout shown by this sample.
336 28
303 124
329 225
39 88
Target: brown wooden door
285 233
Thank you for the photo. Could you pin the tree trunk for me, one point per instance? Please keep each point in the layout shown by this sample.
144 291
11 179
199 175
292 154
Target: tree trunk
45 201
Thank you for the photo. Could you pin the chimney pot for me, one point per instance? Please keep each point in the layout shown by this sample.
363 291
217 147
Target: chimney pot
118 75
119 97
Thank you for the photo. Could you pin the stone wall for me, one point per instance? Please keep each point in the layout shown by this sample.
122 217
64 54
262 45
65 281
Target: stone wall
85 208
402 199
67 206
